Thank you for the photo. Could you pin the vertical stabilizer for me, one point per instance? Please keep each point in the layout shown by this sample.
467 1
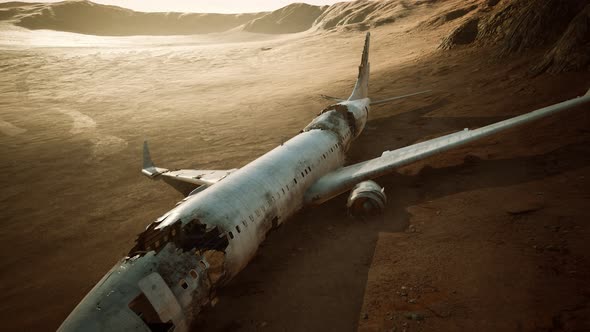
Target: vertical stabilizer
361 88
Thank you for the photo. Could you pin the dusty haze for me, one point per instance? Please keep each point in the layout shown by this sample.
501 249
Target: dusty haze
493 241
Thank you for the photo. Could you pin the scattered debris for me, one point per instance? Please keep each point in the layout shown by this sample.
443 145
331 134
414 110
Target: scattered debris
523 206
441 309
417 316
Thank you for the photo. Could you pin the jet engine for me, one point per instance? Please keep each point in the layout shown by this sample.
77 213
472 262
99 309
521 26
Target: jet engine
366 199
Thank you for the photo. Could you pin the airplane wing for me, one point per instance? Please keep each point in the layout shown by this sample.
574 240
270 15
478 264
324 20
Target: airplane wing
345 178
192 176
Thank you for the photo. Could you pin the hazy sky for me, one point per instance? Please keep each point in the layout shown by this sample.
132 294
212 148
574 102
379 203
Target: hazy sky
202 6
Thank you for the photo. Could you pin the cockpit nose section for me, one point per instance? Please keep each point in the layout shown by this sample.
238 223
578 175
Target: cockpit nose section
131 297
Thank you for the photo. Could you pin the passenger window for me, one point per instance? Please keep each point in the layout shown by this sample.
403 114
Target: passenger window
295 180
251 218
238 228
194 274
183 284
203 265
302 175
231 235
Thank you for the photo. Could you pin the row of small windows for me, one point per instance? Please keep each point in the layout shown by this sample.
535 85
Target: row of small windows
194 274
332 149
305 172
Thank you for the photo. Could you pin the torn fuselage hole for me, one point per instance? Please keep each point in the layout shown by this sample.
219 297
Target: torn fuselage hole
335 118
144 309
192 235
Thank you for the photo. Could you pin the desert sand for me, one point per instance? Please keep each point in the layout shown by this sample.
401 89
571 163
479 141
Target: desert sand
492 236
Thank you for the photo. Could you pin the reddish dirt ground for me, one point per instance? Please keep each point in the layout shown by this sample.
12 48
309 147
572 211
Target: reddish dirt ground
491 236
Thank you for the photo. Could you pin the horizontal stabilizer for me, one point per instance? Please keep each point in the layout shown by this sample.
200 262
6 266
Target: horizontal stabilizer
383 101
192 176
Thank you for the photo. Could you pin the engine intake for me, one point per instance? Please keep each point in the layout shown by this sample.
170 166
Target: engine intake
366 199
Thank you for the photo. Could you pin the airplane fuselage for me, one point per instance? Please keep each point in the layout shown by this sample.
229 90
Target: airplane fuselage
179 262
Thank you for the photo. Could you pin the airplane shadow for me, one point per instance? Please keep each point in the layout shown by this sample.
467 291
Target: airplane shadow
311 273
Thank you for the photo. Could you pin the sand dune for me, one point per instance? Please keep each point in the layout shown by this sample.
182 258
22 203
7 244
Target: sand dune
90 18
85 17
75 110
9 129
296 17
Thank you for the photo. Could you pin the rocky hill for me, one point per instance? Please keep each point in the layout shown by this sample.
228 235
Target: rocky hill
561 28
295 17
558 29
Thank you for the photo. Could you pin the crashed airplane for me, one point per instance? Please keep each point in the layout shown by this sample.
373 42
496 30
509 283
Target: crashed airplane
183 257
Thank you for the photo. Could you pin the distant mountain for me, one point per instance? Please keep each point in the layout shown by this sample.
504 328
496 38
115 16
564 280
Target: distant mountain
86 17
295 17
95 19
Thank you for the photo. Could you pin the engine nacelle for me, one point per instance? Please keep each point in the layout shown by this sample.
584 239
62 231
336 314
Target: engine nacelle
366 199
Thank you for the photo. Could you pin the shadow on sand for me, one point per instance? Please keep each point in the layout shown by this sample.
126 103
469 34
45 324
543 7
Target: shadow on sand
310 274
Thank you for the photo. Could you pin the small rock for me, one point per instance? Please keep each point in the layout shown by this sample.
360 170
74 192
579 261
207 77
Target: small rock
365 316
441 309
414 316
524 206
412 300
263 324
551 247
405 324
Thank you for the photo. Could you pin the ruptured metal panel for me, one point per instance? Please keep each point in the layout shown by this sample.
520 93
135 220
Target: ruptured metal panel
162 298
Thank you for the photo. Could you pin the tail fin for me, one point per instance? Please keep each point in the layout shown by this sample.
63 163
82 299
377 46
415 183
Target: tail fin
361 88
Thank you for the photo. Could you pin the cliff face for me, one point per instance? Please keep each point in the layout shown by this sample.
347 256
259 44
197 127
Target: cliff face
560 28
